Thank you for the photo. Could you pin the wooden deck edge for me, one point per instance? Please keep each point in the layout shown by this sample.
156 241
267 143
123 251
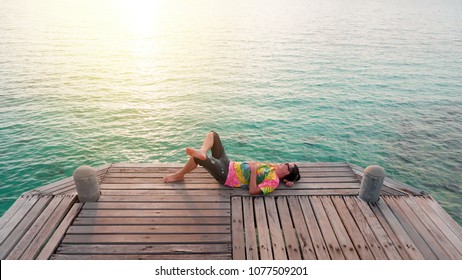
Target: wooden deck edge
104 169
65 183
393 184
335 205
147 164
39 190
58 235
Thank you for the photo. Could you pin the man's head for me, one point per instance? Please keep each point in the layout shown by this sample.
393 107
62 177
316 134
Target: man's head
288 171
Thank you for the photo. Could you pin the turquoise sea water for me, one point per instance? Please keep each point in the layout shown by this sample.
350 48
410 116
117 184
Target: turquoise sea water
362 81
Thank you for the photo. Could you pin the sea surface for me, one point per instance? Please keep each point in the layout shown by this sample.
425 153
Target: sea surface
361 81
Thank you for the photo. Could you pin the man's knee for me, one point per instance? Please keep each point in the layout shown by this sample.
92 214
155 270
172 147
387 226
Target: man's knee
200 161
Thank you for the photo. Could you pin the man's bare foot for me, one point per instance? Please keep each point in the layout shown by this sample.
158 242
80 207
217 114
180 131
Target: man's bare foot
173 178
196 153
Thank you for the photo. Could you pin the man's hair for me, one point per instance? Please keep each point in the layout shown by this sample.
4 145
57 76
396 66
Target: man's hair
294 174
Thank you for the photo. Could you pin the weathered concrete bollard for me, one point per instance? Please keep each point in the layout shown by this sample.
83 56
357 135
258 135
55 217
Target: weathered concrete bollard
371 183
86 183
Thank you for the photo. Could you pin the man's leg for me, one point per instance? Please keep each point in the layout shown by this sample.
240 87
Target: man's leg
179 175
217 165
206 146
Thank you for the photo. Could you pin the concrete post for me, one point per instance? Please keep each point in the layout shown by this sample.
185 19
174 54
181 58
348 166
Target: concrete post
86 183
371 183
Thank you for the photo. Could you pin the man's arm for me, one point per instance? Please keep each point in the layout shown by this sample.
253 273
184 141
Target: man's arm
253 188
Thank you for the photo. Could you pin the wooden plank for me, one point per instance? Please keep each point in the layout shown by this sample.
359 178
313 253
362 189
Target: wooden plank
56 184
159 175
348 179
152 221
275 231
12 210
389 231
322 164
145 165
383 238
162 186
155 174
17 218
250 234
291 241
146 238
34 229
327 232
317 239
183 185
402 187
57 236
364 222
263 230
303 235
58 189
417 226
338 169
226 192
327 172
405 243
318 192
144 257
444 243
156 205
368 225
211 180
154 213
391 191
23 226
216 186
339 229
446 230
206 179
402 231
72 191
453 225
313 186
357 229
102 170
221 192
164 198
148 229
410 228
48 228
121 249
159 169
238 241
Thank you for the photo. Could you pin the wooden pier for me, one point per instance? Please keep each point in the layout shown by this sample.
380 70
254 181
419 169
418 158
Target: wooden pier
139 217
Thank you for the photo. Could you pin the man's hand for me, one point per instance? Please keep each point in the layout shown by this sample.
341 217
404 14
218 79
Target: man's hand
289 183
253 166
